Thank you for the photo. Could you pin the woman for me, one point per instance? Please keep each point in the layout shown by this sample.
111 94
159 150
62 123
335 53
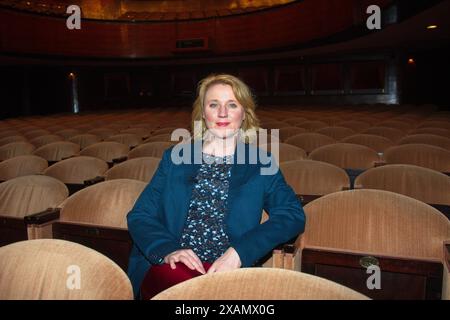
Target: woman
203 214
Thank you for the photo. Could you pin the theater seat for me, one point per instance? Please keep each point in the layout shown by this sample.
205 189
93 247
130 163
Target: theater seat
353 158
420 183
310 141
96 217
311 179
430 139
141 169
107 151
85 140
25 196
348 231
73 172
56 151
258 284
51 269
14 149
129 139
150 149
22 166
421 155
377 143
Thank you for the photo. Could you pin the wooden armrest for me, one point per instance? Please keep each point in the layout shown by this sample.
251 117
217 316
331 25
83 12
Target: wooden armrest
120 160
43 216
93 181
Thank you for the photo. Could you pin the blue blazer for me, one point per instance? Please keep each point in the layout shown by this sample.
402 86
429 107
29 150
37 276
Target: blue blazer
157 219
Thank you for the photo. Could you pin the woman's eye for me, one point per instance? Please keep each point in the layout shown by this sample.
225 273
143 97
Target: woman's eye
213 105
233 105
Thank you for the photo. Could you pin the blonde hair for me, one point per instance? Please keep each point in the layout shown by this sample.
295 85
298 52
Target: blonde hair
242 93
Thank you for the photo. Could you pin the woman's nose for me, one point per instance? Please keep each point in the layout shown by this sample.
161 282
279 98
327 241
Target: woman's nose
223 111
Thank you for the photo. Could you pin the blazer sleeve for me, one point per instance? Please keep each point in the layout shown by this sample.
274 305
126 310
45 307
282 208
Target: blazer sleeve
145 223
286 220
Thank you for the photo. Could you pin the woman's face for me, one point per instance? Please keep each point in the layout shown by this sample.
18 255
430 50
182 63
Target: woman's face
222 112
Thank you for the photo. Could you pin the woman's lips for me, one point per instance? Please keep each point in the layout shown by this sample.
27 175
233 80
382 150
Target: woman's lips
222 124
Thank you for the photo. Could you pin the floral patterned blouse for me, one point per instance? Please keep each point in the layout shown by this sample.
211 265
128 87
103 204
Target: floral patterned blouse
204 231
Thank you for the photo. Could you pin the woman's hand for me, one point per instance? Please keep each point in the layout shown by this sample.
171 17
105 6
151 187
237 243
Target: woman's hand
186 256
230 260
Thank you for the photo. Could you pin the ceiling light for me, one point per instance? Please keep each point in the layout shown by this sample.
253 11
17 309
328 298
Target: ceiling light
432 26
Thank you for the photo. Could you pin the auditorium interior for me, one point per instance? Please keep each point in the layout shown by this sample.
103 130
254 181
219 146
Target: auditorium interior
355 92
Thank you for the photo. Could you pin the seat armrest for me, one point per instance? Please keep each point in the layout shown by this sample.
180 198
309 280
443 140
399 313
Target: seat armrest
43 216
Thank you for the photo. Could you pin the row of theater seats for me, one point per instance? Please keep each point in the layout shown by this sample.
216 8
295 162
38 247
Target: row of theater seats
95 216
309 178
63 270
407 236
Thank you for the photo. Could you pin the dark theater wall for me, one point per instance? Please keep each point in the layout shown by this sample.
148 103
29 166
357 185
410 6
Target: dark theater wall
32 90
296 23
426 78
352 79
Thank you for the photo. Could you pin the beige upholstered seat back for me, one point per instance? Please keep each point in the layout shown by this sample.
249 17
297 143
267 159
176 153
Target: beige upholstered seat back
30 194
435 131
286 152
436 124
22 166
416 182
295 120
312 125
85 140
288 132
336 133
138 169
106 151
57 151
420 155
150 149
45 139
5 133
141 132
67 133
13 138
390 133
346 155
430 139
103 133
165 137
355 125
164 130
376 222
397 124
129 139
310 141
377 143
77 169
47 269
33 133
104 204
259 284
314 177
14 149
